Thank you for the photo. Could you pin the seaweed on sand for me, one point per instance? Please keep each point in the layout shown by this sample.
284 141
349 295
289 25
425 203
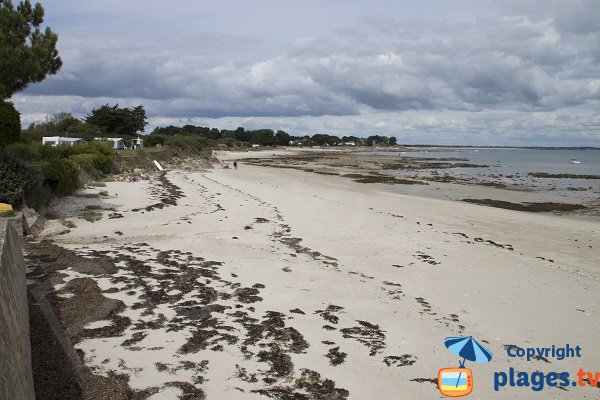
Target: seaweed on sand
335 356
310 386
329 313
368 334
531 207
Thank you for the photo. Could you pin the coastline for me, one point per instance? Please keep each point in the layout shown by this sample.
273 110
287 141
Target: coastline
292 266
440 178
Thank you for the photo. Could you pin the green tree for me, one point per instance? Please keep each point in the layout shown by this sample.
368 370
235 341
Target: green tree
321 139
10 124
120 121
265 137
376 140
282 138
65 122
27 54
242 135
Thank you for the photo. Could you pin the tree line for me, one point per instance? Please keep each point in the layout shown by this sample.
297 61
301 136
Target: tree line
263 137
109 120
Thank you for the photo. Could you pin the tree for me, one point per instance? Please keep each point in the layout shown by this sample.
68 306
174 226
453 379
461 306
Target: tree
10 124
376 139
242 135
64 122
120 121
26 54
265 137
282 138
321 139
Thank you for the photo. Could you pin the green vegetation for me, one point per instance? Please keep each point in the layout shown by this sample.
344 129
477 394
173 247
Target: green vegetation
118 121
10 124
27 54
16 179
35 173
190 135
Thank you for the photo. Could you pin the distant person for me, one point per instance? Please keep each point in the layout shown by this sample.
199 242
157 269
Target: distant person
235 164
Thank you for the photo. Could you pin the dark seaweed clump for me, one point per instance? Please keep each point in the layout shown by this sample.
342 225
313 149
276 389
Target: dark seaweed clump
531 207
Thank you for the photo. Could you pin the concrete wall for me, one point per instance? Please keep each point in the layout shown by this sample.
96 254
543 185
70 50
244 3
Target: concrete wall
16 380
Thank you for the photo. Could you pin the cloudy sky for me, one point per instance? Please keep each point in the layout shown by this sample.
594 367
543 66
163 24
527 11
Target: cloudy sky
482 72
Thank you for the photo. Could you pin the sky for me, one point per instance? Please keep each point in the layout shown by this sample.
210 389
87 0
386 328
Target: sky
470 72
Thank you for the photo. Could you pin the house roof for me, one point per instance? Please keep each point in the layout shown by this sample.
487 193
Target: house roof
61 139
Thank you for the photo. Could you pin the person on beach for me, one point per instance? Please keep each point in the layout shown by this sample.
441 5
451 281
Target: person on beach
235 164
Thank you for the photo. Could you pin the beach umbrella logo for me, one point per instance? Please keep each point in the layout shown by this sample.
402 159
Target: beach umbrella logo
457 382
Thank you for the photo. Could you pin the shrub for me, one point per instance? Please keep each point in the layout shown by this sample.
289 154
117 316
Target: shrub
23 151
188 143
95 164
17 179
154 139
10 124
61 176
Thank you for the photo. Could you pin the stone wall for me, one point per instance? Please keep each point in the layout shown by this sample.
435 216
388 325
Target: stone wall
16 380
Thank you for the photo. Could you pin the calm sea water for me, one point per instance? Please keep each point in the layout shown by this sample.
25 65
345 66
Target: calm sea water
512 166
523 161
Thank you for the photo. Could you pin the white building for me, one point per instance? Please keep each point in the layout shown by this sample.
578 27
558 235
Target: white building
58 140
117 143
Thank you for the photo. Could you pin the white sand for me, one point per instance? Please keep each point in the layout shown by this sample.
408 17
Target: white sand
498 295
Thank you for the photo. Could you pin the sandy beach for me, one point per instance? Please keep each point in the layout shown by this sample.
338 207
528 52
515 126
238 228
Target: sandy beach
266 282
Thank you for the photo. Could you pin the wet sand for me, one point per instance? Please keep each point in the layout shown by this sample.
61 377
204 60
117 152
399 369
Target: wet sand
441 178
276 283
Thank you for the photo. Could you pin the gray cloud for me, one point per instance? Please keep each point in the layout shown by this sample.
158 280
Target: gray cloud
520 59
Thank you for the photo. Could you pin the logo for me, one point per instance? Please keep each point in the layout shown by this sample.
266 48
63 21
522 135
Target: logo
539 380
457 382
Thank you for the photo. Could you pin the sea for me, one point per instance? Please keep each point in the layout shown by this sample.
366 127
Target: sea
522 161
511 167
